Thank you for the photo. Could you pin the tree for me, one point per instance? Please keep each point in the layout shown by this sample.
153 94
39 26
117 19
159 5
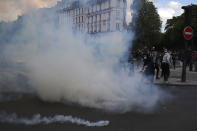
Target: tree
147 27
173 37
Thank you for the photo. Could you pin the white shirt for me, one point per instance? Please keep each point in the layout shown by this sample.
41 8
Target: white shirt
166 58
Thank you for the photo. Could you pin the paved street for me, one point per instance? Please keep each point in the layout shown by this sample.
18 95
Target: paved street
176 114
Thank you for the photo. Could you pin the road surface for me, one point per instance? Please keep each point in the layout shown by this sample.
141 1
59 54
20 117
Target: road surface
176 114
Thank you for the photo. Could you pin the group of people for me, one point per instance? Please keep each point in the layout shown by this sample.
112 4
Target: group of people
152 61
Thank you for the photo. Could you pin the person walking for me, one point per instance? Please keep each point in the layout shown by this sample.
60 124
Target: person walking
166 62
174 59
155 59
161 64
148 68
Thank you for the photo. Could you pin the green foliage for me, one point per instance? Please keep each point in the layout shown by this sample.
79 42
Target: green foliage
147 27
173 37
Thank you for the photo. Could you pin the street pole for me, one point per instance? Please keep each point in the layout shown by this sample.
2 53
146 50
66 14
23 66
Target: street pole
188 17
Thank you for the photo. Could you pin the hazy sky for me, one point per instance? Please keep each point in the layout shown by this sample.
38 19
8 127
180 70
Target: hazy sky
11 9
169 8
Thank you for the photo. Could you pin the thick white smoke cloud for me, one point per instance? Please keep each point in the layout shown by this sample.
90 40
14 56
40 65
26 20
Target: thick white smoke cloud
38 119
68 66
11 9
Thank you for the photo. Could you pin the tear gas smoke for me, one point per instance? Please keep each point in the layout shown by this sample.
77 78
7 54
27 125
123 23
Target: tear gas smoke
38 119
11 9
64 65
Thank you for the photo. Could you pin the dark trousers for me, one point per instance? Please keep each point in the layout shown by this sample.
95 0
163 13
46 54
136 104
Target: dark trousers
174 64
162 69
156 66
166 71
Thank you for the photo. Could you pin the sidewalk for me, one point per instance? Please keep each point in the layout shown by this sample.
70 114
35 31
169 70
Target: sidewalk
175 78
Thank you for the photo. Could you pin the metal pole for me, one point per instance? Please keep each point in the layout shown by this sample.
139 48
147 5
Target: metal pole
183 77
188 12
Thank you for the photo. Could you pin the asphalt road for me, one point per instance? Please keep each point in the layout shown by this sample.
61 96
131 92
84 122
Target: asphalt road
177 114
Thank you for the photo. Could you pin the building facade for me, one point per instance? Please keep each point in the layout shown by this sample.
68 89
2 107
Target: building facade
93 16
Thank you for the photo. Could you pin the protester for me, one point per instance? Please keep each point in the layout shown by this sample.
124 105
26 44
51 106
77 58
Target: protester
174 59
138 58
155 59
166 63
160 60
148 68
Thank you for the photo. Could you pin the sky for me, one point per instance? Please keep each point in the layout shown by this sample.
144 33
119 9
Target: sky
11 9
169 8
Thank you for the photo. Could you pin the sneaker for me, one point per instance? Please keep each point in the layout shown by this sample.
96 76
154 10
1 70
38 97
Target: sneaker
166 82
157 78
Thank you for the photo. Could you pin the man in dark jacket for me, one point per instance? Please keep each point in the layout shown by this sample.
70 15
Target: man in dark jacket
155 57
148 68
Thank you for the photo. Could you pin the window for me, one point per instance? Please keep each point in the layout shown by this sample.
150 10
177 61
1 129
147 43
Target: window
108 26
89 19
108 16
102 6
104 22
117 15
98 8
98 18
118 3
88 28
99 27
95 28
94 8
91 27
118 26
92 19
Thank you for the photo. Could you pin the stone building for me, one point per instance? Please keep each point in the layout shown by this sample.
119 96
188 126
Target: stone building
93 16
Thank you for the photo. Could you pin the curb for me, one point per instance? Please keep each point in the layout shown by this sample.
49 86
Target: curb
175 84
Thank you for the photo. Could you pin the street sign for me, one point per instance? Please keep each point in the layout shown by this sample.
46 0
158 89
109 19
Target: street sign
188 33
